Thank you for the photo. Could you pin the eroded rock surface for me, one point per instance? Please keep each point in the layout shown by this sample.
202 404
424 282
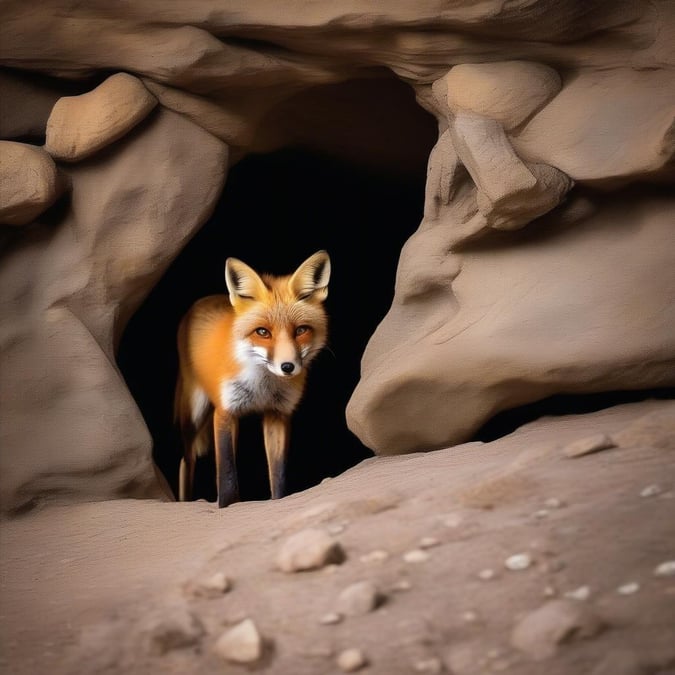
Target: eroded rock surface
561 129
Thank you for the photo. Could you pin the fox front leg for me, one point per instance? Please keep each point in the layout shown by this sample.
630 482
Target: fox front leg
276 433
225 438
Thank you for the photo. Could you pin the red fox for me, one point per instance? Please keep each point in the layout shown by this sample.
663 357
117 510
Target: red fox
247 353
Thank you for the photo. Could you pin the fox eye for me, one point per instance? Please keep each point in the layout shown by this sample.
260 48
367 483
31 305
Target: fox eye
263 332
301 330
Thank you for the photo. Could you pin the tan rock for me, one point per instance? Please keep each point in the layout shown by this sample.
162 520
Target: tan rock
441 363
29 182
588 445
540 632
508 91
241 643
81 125
308 549
58 338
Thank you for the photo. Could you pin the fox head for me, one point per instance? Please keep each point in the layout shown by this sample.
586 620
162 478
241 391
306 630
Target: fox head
280 322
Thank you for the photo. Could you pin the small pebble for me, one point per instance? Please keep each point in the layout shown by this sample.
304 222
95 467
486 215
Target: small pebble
665 569
651 490
542 513
486 574
432 665
351 660
241 643
629 588
429 542
417 555
519 561
330 619
554 503
377 556
469 616
401 585
452 520
359 598
308 550
550 592
581 593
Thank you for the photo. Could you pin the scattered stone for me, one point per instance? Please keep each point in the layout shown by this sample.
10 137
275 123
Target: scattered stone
651 490
550 592
539 633
431 665
486 574
330 619
401 585
170 628
519 561
429 542
470 616
351 660
359 598
542 513
211 587
309 549
240 644
452 520
554 503
377 556
417 555
665 569
81 125
581 593
588 445
629 588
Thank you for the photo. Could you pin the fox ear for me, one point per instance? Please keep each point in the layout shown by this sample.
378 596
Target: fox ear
242 281
310 280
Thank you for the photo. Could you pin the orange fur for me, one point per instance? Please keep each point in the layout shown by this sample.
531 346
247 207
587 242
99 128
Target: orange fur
248 353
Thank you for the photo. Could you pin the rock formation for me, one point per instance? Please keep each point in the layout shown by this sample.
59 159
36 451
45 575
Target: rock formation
543 263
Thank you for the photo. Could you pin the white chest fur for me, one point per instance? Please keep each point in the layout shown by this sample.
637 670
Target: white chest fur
257 390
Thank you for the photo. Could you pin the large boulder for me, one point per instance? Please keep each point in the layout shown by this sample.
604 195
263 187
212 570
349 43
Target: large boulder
69 426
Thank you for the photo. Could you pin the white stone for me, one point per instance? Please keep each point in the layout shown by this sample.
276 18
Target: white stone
240 644
486 574
429 542
376 556
581 593
351 660
629 588
416 555
308 550
665 569
651 490
331 619
519 561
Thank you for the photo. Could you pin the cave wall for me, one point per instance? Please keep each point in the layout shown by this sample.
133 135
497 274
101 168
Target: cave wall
543 264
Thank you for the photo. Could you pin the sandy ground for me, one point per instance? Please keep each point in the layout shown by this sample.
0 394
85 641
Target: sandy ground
109 587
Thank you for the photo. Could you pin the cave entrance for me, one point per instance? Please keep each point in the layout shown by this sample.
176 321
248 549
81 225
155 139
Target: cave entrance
277 209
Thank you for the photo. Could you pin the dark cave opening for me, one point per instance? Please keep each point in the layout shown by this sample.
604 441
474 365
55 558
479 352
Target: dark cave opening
275 211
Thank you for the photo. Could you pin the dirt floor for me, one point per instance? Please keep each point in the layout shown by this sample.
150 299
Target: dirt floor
507 556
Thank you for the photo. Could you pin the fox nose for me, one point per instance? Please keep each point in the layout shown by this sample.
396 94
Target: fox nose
287 367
